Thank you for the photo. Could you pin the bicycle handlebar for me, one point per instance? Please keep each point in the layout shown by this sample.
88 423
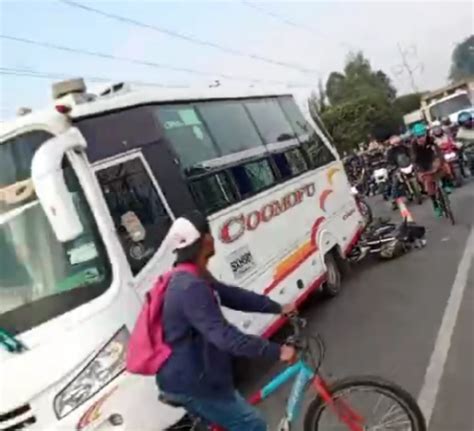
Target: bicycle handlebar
302 341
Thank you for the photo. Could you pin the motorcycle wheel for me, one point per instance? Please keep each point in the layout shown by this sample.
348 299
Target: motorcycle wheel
365 211
458 180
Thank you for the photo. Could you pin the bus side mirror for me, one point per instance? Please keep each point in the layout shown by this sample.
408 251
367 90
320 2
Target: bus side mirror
50 185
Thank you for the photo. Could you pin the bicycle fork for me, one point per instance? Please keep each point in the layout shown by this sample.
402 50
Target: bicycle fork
340 408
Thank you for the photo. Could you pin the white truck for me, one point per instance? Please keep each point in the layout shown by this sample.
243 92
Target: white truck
449 101
413 118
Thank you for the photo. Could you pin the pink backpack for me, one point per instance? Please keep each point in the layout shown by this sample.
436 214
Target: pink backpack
147 350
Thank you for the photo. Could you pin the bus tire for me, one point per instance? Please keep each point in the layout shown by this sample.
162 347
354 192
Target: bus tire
333 284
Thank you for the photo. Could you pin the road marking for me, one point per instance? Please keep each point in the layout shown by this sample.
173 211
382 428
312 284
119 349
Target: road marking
435 370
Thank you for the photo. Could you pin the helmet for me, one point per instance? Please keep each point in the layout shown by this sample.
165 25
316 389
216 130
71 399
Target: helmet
464 118
447 122
395 140
437 131
419 130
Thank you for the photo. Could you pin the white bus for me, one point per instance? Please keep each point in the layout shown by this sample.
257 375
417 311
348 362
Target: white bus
88 190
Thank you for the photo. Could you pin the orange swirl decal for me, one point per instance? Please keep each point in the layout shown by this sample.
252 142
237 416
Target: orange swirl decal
330 173
322 198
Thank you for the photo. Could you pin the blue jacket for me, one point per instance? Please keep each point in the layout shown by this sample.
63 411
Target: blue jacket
203 341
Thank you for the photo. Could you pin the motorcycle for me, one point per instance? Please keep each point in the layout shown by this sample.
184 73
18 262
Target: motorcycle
467 155
388 240
409 180
362 206
380 176
453 157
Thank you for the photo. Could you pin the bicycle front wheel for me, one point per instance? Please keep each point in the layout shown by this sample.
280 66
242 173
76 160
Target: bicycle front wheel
382 405
446 205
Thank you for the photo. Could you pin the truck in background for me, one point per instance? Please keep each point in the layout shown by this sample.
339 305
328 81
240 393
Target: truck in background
449 101
413 118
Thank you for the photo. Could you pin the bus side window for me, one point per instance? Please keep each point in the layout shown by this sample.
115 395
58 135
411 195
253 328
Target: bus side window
186 133
290 163
213 192
230 126
140 217
318 153
270 120
253 177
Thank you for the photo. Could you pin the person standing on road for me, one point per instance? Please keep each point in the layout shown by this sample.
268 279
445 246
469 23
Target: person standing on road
430 163
198 375
398 156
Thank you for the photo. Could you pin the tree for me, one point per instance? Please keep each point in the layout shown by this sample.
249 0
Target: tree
352 122
408 103
462 60
361 104
358 80
317 100
336 88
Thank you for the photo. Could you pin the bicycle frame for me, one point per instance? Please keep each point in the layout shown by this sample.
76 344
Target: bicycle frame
303 375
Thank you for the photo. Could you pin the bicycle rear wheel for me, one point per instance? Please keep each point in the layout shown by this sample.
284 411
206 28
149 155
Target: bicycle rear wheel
382 405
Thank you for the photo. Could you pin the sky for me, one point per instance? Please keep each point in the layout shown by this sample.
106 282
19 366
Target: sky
320 37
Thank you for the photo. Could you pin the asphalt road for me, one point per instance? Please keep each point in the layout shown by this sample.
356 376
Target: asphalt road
393 319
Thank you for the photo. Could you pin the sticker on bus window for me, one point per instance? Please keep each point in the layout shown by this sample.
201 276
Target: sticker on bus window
189 117
82 253
241 262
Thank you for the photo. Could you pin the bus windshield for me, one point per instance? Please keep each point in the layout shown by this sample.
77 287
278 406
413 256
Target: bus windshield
450 106
40 277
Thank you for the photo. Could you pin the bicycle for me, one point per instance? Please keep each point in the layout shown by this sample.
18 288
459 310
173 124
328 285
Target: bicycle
330 410
443 201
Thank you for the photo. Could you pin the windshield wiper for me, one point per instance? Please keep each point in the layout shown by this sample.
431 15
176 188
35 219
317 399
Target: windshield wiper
10 343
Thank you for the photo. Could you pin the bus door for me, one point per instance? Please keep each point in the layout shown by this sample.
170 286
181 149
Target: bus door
139 211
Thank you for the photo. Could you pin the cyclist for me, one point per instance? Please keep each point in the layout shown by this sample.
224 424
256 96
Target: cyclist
198 375
398 156
430 163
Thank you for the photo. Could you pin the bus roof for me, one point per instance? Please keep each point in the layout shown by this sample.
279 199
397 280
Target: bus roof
129 96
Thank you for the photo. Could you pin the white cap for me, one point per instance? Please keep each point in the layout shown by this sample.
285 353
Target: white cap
182 234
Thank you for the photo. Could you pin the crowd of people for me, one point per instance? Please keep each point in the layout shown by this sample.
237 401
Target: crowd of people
423 147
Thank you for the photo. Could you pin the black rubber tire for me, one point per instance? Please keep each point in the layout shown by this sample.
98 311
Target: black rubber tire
446 206
317 406
365 211
333 285
416 191
458 178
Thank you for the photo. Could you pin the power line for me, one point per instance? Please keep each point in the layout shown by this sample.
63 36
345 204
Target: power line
30 73
49 45
289 22
188 38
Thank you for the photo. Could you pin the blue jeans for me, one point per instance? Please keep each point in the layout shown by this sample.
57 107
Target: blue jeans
233 414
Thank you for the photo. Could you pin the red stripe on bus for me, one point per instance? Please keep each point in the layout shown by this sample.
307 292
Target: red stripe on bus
285 274
277 324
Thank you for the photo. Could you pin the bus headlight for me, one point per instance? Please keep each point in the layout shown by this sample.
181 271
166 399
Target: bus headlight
107 364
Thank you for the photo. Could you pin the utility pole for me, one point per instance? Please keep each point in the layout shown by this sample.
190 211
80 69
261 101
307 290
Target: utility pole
405 66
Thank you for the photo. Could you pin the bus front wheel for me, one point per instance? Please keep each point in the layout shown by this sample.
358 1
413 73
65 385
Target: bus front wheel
333 284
